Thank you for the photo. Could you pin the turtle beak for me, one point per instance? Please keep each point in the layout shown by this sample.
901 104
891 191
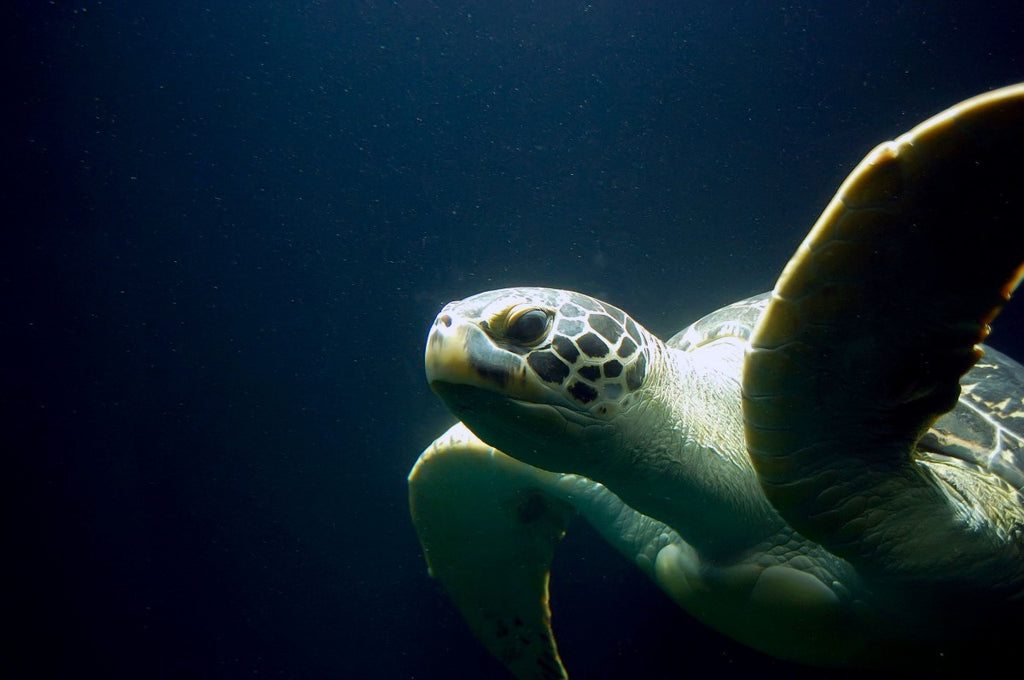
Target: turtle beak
446 358
459 352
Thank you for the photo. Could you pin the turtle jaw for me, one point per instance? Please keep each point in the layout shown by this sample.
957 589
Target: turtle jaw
491 391
547 436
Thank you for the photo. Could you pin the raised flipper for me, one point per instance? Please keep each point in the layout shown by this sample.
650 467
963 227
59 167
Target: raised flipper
870 328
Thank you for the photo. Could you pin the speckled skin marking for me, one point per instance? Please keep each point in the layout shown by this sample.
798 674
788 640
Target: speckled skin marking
589 352
589 355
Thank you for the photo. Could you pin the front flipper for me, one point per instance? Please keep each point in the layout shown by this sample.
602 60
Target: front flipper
870 328
489 532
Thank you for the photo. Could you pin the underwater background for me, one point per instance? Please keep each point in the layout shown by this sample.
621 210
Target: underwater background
227 227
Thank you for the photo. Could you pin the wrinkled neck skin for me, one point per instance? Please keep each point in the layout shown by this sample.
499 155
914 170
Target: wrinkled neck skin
679 454
676 454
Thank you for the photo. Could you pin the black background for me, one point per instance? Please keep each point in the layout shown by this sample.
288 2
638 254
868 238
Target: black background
227 227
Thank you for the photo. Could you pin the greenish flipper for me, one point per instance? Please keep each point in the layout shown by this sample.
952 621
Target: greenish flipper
870 328
489 533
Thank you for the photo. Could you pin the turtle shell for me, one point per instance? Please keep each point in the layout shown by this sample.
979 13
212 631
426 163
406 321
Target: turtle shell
985 430
732 321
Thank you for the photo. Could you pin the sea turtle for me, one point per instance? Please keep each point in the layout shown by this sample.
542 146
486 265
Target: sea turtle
826 472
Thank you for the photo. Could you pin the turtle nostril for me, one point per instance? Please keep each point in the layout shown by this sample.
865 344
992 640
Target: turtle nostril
445 319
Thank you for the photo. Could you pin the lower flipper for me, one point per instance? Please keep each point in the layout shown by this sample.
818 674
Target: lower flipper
489 532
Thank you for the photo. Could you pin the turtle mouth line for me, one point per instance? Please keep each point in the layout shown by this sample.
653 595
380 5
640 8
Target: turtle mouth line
466 400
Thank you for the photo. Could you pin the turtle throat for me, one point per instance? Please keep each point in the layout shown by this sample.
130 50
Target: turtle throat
679 456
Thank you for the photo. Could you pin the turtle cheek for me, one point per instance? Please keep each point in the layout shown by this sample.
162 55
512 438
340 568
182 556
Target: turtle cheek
503 370
583 393
613 391
579 385
636 373
548 367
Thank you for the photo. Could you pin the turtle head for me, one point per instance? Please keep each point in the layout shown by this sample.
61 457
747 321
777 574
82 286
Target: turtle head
533 371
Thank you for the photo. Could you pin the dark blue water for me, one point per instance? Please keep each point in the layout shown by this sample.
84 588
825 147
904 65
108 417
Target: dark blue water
227 227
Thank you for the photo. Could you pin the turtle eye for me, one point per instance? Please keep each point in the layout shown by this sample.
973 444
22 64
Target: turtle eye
529 327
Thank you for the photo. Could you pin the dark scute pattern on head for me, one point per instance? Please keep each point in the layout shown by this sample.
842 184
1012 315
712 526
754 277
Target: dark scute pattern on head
627 348
590 373
612 369
615 313
582 392
571 311
589 304
606 326
636 373
592 345
570 327
566 349
549 367
632 329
